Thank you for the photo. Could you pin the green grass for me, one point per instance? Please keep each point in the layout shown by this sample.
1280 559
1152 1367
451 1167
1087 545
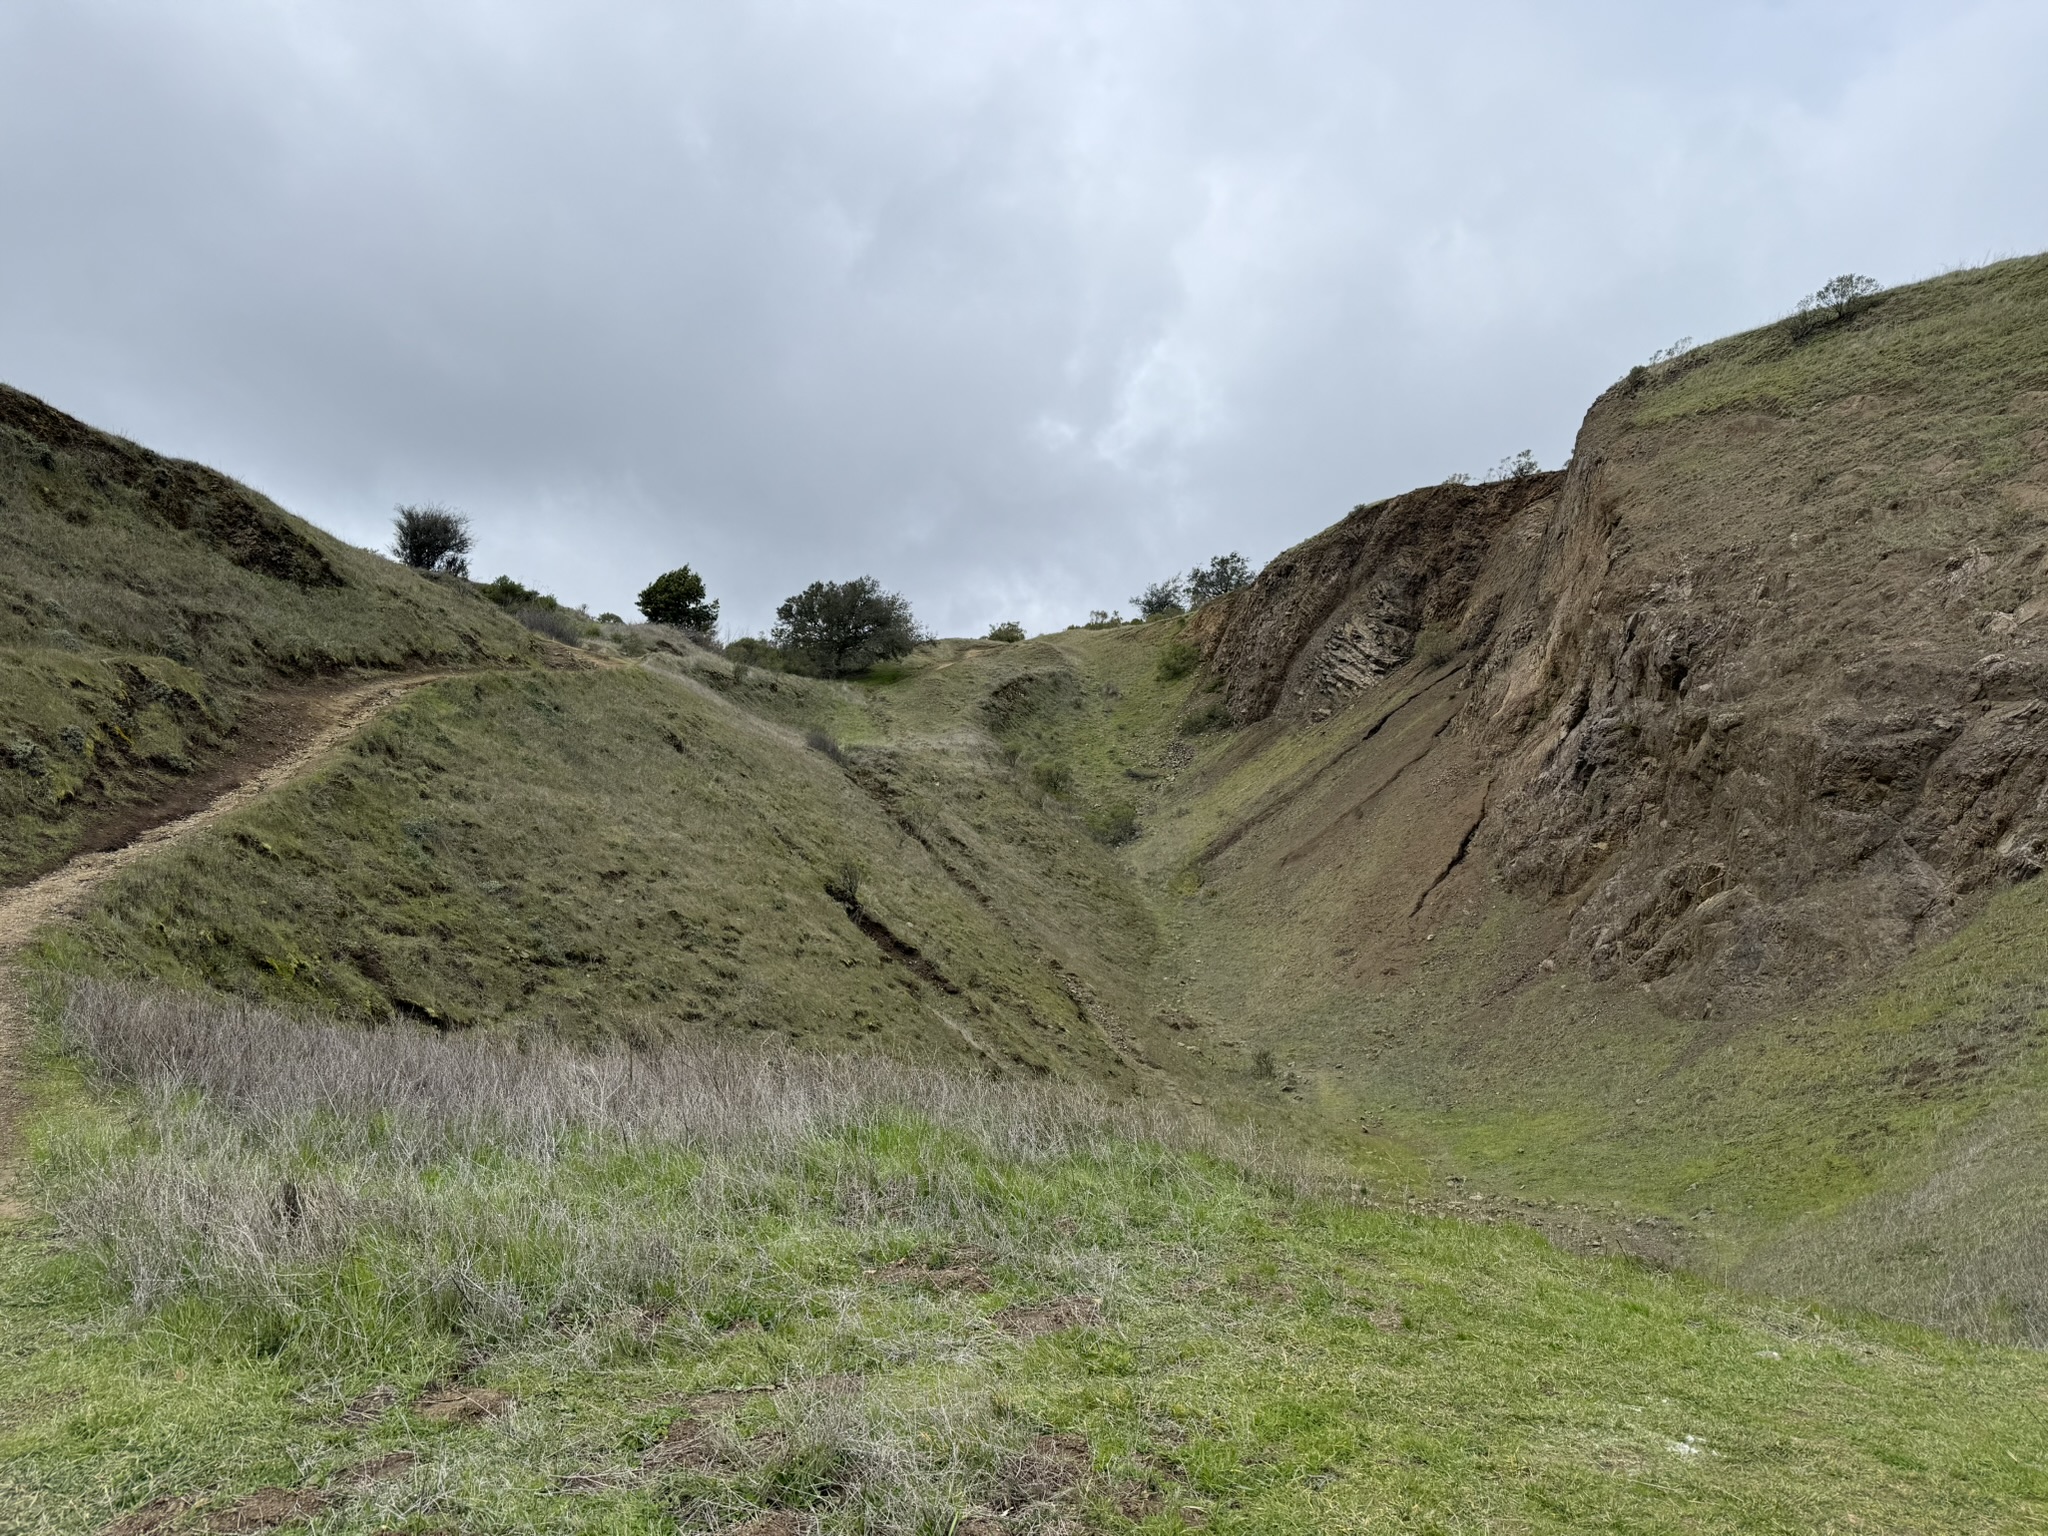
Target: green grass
1971 338
613 853
1034 871
147 605
1265 1357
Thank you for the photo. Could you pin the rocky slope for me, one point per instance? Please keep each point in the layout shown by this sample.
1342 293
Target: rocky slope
1755 686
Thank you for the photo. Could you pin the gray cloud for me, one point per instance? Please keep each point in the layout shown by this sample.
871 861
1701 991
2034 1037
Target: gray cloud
1014 305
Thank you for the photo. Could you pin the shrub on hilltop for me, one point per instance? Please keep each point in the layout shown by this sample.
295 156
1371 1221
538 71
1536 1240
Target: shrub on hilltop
1219 578
839 628
432 538
514 595
1223 575
678 598
1161 600
1837 299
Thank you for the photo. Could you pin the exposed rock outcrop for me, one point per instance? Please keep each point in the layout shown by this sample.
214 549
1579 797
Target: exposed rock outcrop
1761 680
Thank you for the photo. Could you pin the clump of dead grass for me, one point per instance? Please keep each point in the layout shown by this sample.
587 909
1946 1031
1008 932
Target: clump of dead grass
432 1093
343 1190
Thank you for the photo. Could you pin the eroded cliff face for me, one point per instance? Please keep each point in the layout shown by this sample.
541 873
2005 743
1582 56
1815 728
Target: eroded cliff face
1328 620
1758 685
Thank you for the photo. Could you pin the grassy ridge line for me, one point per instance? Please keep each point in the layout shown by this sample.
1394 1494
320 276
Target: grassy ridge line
896 1284
146 608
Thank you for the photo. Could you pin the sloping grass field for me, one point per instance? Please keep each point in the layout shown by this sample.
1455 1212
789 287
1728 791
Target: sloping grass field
411 1283
149 607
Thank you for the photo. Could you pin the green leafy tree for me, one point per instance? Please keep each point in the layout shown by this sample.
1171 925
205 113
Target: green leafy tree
432 538
507 593
838 628
677 597
1219 578
1009 632
1161 600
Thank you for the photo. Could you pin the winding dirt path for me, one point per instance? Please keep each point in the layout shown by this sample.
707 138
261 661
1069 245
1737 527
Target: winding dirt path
328 721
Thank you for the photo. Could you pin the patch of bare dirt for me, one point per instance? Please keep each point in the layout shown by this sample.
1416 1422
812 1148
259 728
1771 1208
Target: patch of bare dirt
1050 1466
156 1518
777 1522
1031 1322
944 1277
370 1407
265 1510
378 1469
461 1405
698 1445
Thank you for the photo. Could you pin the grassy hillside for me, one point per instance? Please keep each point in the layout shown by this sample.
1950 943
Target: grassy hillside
627 852
151 610
658 855
1690 870
1642 852
422 1284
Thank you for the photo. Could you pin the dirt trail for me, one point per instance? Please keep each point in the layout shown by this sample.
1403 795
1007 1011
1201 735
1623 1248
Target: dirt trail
327 721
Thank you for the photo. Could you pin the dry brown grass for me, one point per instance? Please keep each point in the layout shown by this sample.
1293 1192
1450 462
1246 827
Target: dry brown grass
491 1184
430 1094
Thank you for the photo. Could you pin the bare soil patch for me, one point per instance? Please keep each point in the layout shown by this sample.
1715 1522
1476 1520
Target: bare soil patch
155 1518
1022 1322
947 1277
1049 1467
370 1407
462 1405
778 1522
265 1510
379 1469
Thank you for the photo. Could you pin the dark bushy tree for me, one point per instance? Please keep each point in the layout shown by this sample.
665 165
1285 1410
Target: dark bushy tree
838 628
432 538
1009 632
677 597
1219 578
1161 600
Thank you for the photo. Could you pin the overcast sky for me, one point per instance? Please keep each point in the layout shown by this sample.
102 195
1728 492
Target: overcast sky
1014 305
